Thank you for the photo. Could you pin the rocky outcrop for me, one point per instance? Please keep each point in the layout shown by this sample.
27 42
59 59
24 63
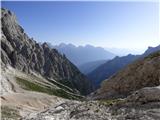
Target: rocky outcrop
143 104
145 95
25 54
141 73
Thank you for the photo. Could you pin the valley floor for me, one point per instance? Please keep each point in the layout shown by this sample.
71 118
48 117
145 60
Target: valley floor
18 103
39 106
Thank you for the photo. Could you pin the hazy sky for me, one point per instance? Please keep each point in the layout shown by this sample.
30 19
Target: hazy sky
131 25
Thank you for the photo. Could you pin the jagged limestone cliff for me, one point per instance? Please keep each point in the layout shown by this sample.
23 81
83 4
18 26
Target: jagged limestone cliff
25 54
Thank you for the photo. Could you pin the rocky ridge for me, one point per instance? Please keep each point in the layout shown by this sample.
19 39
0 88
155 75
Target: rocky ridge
109 68
25 54
141 73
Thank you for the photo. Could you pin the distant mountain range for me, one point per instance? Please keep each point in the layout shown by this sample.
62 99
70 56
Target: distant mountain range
125 51
151 50
90 66
83 54
111 67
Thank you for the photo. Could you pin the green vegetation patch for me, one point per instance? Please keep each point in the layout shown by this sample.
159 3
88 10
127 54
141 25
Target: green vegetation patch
28 85
9 113
62 86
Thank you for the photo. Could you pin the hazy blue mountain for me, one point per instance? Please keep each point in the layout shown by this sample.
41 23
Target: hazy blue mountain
125 51
111 67
84 54
90 66
151 50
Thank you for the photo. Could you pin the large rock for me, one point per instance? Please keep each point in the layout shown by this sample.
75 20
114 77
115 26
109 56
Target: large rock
145 95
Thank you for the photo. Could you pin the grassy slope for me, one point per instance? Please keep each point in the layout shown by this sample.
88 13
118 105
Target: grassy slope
51 90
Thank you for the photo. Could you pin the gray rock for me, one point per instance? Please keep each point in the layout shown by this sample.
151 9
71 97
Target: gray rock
145 95
143 104
73 110
23 53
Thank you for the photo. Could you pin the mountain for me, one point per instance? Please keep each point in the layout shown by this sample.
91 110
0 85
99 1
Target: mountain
142 104
109 68
26 55
90 66
83 54
141 73
38 83
124 51
151 50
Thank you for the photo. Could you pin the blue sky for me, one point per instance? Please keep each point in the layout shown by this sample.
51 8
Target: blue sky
129 25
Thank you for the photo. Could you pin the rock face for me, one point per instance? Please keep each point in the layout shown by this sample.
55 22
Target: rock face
141 73
25 54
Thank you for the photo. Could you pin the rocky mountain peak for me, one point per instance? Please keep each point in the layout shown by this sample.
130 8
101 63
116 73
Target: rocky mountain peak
45 45
25 54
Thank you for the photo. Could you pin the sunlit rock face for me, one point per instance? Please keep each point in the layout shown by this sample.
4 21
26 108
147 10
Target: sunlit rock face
25 54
